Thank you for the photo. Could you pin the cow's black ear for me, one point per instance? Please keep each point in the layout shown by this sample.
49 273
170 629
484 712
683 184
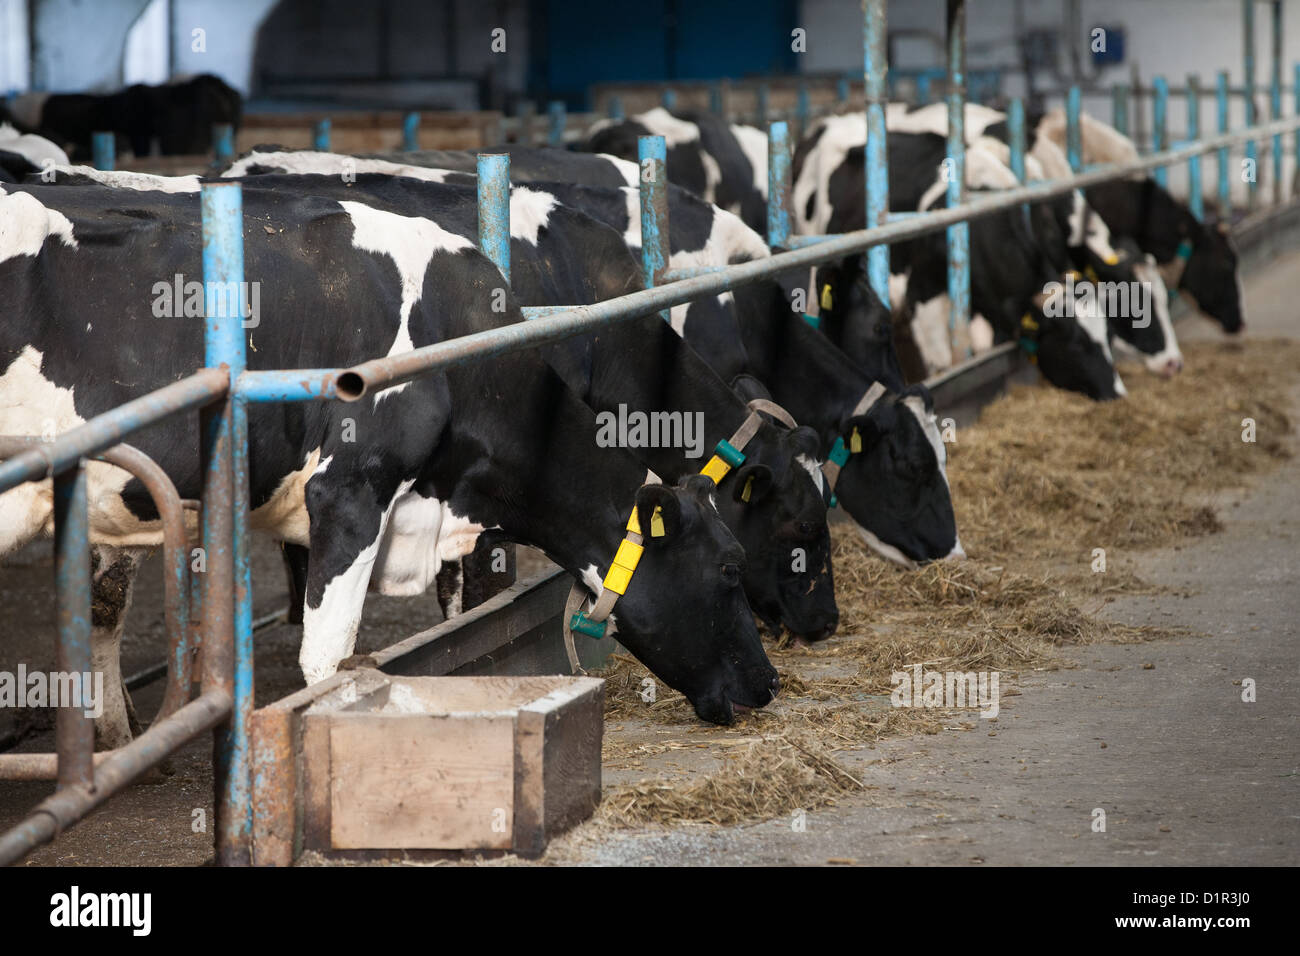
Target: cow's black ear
752 483
749 388
863 432
659 511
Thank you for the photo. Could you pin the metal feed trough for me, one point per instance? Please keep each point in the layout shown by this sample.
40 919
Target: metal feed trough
222 390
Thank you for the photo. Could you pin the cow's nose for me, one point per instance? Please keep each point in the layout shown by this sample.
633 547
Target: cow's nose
774 685
1174 366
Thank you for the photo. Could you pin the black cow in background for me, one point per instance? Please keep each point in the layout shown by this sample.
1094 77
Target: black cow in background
178 116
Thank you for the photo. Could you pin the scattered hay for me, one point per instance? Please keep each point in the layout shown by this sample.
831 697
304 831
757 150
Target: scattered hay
770 778
1047 473
1041 480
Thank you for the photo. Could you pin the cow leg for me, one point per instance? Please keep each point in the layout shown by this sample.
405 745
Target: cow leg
347 528
295 566
113 573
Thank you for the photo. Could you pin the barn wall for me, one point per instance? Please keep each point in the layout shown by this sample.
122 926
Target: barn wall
79 43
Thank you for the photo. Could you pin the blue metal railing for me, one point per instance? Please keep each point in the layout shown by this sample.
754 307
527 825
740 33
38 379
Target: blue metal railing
222 390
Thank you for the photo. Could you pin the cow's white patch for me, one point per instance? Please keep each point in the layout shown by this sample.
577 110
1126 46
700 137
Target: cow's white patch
981 334
422 534
814 469
629 170
839 135
329 631
31 404
592 579
712 177
1092 320
753 143
410 242
141 182
1101 142
897 288
929 423
675 131
530 211
933 118
930 333
35 149
308 162
27 223
1089 229
1170 357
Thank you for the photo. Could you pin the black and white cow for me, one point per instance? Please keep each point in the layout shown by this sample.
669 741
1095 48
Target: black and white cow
1126 278
722 163
1009 268
178 116
560 256
502 448
703 235
1196 258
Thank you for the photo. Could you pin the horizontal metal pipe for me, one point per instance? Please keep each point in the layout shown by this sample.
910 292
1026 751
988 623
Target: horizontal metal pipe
54 814
41 766
352 383
292 385
110 428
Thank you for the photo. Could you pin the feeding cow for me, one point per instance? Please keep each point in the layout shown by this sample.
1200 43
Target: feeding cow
560 256
1196 258
1010 271
178 116
703 235
502 448
722 163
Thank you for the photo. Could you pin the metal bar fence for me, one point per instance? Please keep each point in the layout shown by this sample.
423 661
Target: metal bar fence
223 389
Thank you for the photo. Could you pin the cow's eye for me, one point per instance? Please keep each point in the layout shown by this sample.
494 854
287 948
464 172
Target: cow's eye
731 574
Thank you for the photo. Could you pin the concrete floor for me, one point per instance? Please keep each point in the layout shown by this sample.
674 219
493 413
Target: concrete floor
1185 771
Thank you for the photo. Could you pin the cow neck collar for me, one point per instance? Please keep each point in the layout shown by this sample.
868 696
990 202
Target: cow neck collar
1178 267
729 454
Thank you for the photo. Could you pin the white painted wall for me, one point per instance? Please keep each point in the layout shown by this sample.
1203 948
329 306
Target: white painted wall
225 45
145 58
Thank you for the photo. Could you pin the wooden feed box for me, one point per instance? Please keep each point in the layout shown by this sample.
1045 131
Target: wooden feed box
371 761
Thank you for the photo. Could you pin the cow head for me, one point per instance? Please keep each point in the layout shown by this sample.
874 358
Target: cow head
776 506
1145 326
894 483
684 614
1210 274
1069 353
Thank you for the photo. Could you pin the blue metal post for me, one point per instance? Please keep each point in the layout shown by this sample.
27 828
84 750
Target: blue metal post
225 522
1225 156
923 88
778 182
1195 195
875 75
616 108
1248 62
321 136
1016 135
762 100
223 142
103 147
411 132
670 100
1160 125
652 157
842 89
555 129
74 731
803 109
1119 107
959 234
1073 132
1275 100
494 209
715 99
1295 89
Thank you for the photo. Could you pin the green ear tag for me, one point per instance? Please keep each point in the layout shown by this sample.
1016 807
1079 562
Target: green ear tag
855 441
749 486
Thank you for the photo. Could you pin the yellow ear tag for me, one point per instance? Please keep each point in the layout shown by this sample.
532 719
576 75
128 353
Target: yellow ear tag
749 486
855 441
1112 259
826 297
657 523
